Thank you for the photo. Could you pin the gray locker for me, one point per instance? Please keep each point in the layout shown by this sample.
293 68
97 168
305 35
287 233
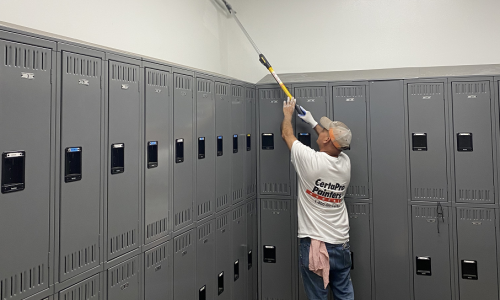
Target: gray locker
88 289
251 260
184 265
349 106
274 171
206 284
224 259
80 202
123 159
183 148
427 141
276 249
158 124
26 119
238 142
206 147
473 146
224 146
431 253
477 256
313 99
123 280
158 272
240 253
251 143
391 245
360 242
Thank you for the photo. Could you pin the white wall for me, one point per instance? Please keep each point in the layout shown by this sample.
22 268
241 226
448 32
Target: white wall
295 35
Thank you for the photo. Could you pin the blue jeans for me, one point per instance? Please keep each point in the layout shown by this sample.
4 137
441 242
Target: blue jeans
340 265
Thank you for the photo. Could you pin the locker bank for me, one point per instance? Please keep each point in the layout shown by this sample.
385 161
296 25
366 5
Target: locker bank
130 177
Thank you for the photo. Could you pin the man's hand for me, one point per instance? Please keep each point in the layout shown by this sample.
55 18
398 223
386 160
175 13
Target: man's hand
308 117
289 108
286 125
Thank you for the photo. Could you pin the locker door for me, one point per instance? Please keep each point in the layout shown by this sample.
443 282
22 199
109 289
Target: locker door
183 147
88 289
477 256
349 107
206 147
473 142
359 239
205 262
184 266
250 143
25 123
312 99
431 253
123 280
276 249
251 260
240 253
80 202
254 141
224 144
223 263
157 272
157 144
238 142
274 153
123 148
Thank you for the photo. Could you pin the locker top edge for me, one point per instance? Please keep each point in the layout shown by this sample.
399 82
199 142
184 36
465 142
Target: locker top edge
81 50
25 39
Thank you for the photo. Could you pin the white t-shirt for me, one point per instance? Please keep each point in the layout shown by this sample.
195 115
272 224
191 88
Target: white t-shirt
322 184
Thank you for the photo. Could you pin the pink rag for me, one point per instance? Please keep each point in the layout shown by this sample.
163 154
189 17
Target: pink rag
319 261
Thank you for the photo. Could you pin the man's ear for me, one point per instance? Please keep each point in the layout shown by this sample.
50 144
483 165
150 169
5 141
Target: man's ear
327 140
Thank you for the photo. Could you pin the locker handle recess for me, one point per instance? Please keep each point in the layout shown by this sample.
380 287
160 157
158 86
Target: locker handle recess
419 141
179 150
249 142
73 164
305 138
464 142
202 294
219 145
423 266
352 260
249 259
236 270
117 158
152 154
220 283
268 141
201 147
270 254
235 143
469 269
13 171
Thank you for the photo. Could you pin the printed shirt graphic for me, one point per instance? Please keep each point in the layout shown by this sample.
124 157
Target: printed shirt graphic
322 184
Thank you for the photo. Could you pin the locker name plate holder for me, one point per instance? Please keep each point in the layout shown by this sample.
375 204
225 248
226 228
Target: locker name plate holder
29 76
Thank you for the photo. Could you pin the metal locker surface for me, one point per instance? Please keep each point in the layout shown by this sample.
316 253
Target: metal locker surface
157 272
240 253
184 265
476 241
88 289
223 136
274 163
313 99
431 228
183 135
123 280
426 120
238 132
349 107
205 164
250 165
158 122
275 218
26 114
251 260
123 189
224 258
473 169
80 201
360 242
205 260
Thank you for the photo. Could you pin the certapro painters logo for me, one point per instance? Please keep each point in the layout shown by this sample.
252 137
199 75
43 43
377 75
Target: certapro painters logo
327 192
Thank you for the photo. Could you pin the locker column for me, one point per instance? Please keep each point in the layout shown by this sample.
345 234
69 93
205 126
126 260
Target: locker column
251 144
238 141
224 144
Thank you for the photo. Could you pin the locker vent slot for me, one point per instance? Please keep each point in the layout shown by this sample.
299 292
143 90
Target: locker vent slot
80 258
309 92
250 208
238 194
19 283
221 89
275 188
183 82
349 91
426 89
250 188
156 256
237 91
204 86
123 72
156 78
77 65
357 209
123 241
204 208
275 205
250 94
222 222
237 213
356 190
156 228
204 231
272 94
428 193
470 214
27 58
425 212
123 272
86 290
182 242
183 217
474 195
222 201
471 88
